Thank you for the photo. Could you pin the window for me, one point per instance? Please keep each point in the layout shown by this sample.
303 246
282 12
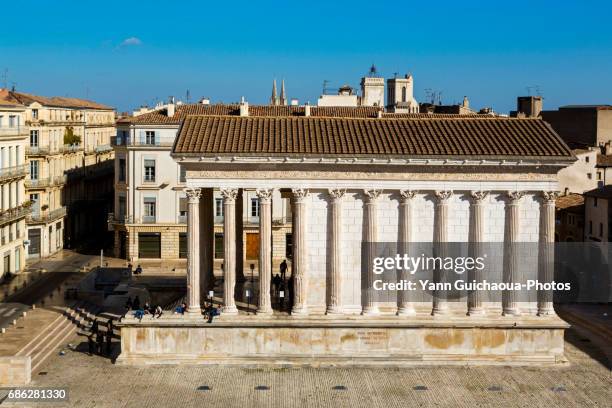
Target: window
599 175
121 209
149 209
149 245
587 159
182 245
182 174
121 169
403 94
183 202
149 167
289 246
218 246
34 114
12 121
150 137
254 207
218 207
590 176
34 170
34 138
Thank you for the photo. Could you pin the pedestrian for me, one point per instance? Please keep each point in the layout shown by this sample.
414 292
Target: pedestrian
147 308
109 339
136 303
138 270
276 282
158 312
100 342
90 344
94 326
283 269
211 312
128 304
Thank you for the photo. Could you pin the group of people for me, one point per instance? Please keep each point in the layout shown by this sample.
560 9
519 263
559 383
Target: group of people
140 312
282 289
96 339
137 271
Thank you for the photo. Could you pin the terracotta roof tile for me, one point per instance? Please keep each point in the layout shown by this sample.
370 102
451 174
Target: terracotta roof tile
569 201
58 101
431 137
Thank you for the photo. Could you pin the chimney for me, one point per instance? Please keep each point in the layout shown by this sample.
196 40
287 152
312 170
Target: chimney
566 191
379 114
244 107
171 107
307 109
205 101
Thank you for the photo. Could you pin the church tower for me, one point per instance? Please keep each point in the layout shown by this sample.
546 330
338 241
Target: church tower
283 97
373 89
274 98
400 95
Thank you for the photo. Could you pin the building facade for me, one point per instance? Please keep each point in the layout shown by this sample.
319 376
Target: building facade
68 138
13 170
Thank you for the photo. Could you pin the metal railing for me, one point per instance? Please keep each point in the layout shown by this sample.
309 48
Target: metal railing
38 183
46 216
37 150
13 171
120 219
156 142
103 148
13 214
67 148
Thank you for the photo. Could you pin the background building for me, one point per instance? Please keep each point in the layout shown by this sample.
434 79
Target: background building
13 171
69 139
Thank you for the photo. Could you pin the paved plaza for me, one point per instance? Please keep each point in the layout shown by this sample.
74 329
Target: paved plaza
96 382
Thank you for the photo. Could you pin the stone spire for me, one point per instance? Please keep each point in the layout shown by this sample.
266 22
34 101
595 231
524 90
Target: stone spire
283 97
274 98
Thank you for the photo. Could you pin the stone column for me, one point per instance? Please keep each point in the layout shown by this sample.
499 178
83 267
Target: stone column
300 253
229 250
193 253
477 231
370 208
404 306
240 237
265 250
511 237
546 255
335 250
440 306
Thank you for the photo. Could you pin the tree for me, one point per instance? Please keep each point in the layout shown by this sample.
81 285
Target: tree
70 138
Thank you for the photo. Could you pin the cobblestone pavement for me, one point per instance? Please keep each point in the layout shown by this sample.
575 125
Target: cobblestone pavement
95 382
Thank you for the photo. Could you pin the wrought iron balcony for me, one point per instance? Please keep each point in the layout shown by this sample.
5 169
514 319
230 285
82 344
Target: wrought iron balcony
15 213
7 173
38 183
46 216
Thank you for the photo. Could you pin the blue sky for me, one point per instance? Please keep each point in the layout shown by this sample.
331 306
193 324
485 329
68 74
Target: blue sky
129 53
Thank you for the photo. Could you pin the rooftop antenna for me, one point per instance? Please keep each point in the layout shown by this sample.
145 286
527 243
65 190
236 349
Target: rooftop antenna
187 96
325 86
395 74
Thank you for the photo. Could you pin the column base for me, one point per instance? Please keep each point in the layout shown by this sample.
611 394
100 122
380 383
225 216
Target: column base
511 312
299 311
406 311
475 312
370 311
229 310
547 312
334 310
263 312
193 312
440 311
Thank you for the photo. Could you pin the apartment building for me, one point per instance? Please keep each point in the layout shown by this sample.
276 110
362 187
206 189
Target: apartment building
69 141
13 170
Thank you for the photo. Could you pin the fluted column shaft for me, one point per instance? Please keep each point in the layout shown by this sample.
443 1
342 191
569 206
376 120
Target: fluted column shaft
440 305
193 253
510 305
477 232
300 253
404 306
546 256
370 207
265 250
229 250
335 262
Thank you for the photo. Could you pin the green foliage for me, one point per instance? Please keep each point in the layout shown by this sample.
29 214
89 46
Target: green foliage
70 138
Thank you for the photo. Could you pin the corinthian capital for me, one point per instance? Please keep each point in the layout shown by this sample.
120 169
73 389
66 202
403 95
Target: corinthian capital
407 194
229 194
372 194
299 193
444 195
515 196
194 194
549 197
478 197
336 193
264 194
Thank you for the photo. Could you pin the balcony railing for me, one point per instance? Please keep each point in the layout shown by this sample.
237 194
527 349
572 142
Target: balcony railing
38 183
148 219
37 150
67 148
182 219
144 142
14 130
120 219
13 172
46 216
15 213
103 148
